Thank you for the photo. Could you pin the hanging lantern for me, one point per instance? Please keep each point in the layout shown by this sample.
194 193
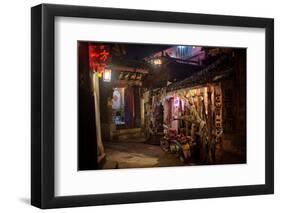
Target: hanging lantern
157 61
107 75
99 74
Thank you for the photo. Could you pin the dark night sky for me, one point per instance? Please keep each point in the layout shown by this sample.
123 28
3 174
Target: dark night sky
139 51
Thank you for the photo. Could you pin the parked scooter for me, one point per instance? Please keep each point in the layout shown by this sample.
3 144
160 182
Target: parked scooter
178 144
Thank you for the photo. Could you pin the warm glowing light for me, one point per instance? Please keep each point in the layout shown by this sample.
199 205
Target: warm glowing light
157 61
99 74
107 75
98 57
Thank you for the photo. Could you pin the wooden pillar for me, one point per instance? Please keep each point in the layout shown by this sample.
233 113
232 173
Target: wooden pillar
105 91
96 96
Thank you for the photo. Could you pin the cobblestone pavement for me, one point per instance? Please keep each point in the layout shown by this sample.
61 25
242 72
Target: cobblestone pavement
139 155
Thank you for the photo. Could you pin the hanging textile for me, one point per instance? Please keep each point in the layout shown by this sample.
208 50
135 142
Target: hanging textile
137 109
129 106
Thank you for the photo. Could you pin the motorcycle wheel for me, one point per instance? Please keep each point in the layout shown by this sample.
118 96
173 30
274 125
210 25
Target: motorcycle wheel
165 145
184 157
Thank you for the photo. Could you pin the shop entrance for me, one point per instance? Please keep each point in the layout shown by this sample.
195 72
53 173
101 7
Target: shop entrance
118 106
126 114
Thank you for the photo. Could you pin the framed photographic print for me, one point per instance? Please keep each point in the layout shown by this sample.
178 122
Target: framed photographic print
139 106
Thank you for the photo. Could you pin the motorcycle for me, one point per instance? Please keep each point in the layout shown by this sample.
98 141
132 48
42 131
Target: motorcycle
178 144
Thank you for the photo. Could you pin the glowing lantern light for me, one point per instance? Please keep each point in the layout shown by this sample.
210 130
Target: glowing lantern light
157 61
107 75
99 74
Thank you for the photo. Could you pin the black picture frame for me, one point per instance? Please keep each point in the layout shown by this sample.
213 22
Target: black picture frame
43 117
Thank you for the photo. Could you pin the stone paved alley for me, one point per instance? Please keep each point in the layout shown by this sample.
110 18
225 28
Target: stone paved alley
138 155
142 155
